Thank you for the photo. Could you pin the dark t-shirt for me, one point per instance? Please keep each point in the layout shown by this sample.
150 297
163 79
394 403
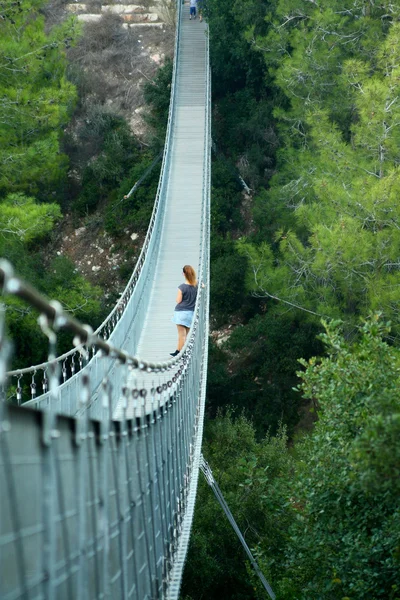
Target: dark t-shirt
189 295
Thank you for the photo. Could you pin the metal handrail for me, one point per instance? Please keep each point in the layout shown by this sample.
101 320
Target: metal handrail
57 319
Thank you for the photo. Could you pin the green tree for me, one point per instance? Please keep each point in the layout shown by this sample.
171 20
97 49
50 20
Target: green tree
105 172
157 94
60 280
326 244
340 256
234 65
345 539
254 371
36 99
23 219
252 476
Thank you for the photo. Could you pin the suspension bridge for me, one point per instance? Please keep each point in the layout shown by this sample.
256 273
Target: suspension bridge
100 449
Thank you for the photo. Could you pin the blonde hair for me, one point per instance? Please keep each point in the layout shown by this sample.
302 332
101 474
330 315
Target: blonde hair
190 274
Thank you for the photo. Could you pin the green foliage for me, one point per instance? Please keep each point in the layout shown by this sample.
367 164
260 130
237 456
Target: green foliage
105 172
36 99
326 243
227 286
24 223
78 296
226 198
106 159
243 126
23 219
345 540
324 520
307 45
338 174
59 280
28 342
133 212
227 267
263 358
244 95
252 476
234 65
157 94
270 214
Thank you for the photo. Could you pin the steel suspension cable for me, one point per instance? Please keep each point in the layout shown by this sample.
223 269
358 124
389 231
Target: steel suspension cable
206 470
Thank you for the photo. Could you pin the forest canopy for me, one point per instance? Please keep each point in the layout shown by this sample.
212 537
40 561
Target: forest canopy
306 109
36 98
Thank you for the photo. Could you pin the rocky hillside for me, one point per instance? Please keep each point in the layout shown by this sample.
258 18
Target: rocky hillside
121 47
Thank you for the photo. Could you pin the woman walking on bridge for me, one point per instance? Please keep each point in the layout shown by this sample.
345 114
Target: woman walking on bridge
185 303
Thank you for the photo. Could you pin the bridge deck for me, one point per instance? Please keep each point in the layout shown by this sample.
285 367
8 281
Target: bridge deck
181 232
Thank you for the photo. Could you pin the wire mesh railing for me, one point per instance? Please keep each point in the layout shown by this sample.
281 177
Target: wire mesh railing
97 509
110 503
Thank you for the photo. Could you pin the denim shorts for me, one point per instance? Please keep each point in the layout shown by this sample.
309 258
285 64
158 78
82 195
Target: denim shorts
183 317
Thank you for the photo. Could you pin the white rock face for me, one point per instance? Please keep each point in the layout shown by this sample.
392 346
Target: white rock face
79 231
135 14
75 8
120 9
140 18
89 18
95 269
129 25
222 340
134 236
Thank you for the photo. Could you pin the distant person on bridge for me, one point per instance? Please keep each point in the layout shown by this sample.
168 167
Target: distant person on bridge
185 303
192 12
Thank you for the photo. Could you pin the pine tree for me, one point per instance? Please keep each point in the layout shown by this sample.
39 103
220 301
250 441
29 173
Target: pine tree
36 98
